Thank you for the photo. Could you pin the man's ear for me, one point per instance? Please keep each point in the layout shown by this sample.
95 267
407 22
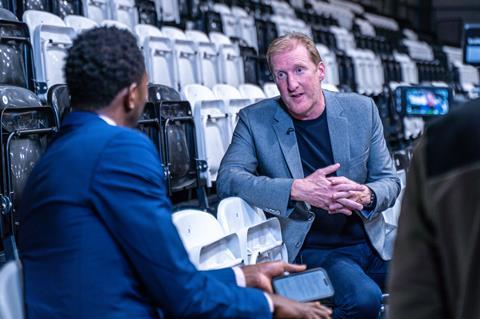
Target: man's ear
321 70
131 97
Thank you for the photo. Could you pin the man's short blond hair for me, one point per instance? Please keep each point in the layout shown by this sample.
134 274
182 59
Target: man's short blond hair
288 42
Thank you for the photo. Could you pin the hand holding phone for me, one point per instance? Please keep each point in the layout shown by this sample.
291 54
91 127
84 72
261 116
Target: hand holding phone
310 285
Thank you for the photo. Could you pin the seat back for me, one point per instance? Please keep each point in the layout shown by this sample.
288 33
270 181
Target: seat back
207 246
234 214
212 126
159 55
229 22
196 228
27 127
234 102
79 23
11 290
15 52
147 13
246 29
51 38
63 8
231 64
271 90
97 10
125 12
252 92
208 58
188 67
168 11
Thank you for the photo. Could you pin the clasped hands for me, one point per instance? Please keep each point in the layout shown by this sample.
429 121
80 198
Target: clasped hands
334 194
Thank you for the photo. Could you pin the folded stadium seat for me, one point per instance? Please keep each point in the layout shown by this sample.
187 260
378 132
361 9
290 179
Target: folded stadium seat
229 21
353 7
23 5
168 121
252 64
362 76
282 24
343 37
211 125
346 71
271 89
58 98
50 40
186 57
209 20
468 80
260 238
116 24
409 68
245 27
234 102
146 11
168 11
97 10
205 242
15 52
62 8
26 129
189 9
266 33
231 64
281 8
391 214
377 79
252 92
343 15
382 21
297 4
125 12
330 62
323 35
158 54
79 23
208 60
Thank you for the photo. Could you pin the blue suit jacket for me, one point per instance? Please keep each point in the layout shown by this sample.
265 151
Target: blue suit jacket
97 240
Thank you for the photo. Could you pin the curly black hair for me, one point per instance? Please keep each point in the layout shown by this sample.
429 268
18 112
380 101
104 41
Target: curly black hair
100 63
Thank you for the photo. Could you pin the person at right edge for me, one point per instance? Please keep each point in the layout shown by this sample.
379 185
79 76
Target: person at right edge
436 264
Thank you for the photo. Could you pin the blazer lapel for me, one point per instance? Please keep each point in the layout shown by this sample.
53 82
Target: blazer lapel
283 127
339 133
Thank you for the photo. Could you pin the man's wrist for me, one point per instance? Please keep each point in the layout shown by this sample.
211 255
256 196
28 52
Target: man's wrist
372 200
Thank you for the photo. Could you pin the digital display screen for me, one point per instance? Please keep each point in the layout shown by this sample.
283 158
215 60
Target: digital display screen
471 44
423 101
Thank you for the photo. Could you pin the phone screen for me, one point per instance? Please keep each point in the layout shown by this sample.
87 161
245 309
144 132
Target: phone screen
306 286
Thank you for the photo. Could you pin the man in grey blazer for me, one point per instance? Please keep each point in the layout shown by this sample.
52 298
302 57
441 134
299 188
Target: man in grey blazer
319 162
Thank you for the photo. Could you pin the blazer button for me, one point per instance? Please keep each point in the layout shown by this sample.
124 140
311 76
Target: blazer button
298 244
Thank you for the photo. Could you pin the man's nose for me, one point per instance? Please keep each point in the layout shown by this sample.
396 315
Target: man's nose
292 83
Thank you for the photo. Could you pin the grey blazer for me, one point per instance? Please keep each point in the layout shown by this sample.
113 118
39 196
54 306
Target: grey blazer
263 160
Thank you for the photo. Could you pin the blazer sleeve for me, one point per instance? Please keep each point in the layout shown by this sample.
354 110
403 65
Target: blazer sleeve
129 196
238 176
381 176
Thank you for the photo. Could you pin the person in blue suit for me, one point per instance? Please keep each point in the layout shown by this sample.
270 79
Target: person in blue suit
96 236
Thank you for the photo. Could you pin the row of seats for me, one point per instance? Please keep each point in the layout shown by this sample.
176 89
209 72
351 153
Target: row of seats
241 234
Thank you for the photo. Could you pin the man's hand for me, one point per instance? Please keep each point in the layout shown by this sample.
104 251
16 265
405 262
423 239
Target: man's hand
260 275
285 308
349 194
315 189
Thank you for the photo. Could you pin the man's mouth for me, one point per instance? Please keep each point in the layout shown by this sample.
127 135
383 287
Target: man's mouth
296 95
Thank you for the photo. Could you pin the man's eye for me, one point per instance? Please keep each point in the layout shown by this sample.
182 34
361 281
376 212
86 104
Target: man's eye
280 75
299 70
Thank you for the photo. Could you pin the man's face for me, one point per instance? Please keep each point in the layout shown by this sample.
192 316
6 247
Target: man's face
139 99
298 80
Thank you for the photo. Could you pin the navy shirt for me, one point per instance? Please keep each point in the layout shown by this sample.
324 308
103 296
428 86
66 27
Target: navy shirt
315 149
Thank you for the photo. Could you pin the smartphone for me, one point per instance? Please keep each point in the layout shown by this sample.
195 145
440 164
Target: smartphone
309 285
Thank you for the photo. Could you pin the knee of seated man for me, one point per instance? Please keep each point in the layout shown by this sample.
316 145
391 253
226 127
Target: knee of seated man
367 302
